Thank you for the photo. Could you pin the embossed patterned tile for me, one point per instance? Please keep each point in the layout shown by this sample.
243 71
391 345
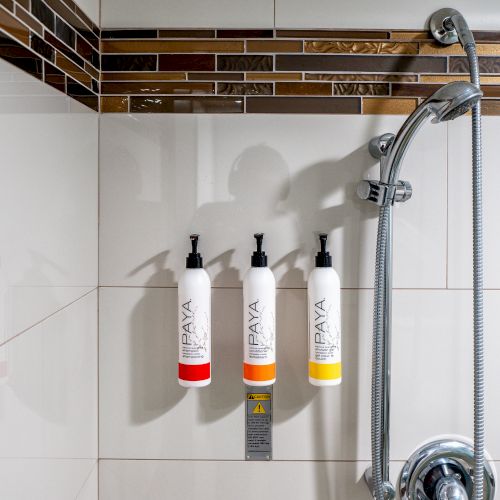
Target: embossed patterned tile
357 77
245 88
361 89
360 47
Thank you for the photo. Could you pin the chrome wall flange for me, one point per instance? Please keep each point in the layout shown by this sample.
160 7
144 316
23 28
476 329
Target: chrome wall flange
389 490
442 27
443 469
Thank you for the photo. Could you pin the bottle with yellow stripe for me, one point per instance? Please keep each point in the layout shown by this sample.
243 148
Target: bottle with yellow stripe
323 295
259 321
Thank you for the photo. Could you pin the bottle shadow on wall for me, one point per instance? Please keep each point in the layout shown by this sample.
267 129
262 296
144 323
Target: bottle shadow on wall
154 389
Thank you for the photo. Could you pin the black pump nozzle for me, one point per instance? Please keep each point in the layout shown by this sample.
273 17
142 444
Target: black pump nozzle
323 258
194 260
259 258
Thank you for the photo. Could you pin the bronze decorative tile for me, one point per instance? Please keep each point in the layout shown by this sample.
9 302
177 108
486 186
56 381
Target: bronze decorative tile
361 89
158 104
42 47
54 77
314 105
303 88
245 33
245 63
274 46
411 35
215 76
486 65
388 106
482 49
454 78
170 46
334 34
144 75
13 52
12 26
336 47
136 62
360 77
8 4
28 19
157 88
181 33
245 88
72 69
490 107
363 63
274 76
114 104
186 62
426 89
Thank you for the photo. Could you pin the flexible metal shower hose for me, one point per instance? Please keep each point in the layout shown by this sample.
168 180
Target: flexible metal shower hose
477 211
378 354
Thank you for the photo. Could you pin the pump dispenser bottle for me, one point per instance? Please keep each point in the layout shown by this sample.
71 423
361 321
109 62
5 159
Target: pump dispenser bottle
259 321
323 291
194 321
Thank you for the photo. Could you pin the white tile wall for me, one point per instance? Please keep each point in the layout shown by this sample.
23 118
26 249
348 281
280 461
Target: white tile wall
188 13
227 177
460 204
362 14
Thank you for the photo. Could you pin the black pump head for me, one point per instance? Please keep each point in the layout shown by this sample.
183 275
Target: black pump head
259 258
194 260
323 258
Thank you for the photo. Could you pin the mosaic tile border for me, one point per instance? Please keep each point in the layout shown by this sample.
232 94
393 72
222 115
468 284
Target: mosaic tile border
235 71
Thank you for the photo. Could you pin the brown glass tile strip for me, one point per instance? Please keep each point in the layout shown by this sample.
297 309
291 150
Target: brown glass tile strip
245 88
138 62
121 34
186 62
274 46
486 65
411 35
43 48
13 52
86 51
303 88
361 89
72 69
54 77
487 36
181 33
334 34
65 33
8 4
245 63
61 47
245 33
144 76
390 64
274 76
24 3
91 71
490 107
157 88
114 104
82 93
12 26
170 46
388 106
43 14
159 104
216 76
336 47
359 77
313 105
28 19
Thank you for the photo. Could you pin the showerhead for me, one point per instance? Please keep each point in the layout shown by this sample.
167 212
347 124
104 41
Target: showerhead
447 103
453 100
449 26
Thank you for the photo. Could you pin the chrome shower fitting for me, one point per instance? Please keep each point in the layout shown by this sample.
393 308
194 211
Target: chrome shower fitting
448 26
447 103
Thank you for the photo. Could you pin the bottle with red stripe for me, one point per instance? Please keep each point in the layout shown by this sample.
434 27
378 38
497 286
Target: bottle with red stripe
259 321
194 321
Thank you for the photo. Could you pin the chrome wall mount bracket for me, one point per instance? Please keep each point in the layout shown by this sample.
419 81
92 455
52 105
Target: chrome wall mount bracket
441 26
379 192
443 469
389 490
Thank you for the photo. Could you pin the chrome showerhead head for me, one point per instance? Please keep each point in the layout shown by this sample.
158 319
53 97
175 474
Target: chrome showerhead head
453 100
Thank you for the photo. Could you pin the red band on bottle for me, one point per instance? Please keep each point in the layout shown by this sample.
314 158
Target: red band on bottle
194 373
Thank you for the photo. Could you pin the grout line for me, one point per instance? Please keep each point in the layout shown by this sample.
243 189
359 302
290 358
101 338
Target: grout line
46 317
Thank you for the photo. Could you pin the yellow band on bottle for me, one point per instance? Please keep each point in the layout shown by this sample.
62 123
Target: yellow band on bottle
325 371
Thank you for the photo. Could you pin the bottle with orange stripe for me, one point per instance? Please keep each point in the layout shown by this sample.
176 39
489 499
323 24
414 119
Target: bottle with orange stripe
259 321
323 291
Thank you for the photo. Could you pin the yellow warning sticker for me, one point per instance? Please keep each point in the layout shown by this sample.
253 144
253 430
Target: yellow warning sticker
259 409
259 397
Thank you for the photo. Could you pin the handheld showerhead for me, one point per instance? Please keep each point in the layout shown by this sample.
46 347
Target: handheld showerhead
447 103
449 26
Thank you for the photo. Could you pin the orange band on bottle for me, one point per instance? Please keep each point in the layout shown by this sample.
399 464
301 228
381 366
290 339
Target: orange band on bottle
259 373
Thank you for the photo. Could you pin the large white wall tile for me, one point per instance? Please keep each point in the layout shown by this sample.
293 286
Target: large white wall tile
227 177
48 204
140 397
45 478
91 8
48 387
187 14
362 14
460 203
90 489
